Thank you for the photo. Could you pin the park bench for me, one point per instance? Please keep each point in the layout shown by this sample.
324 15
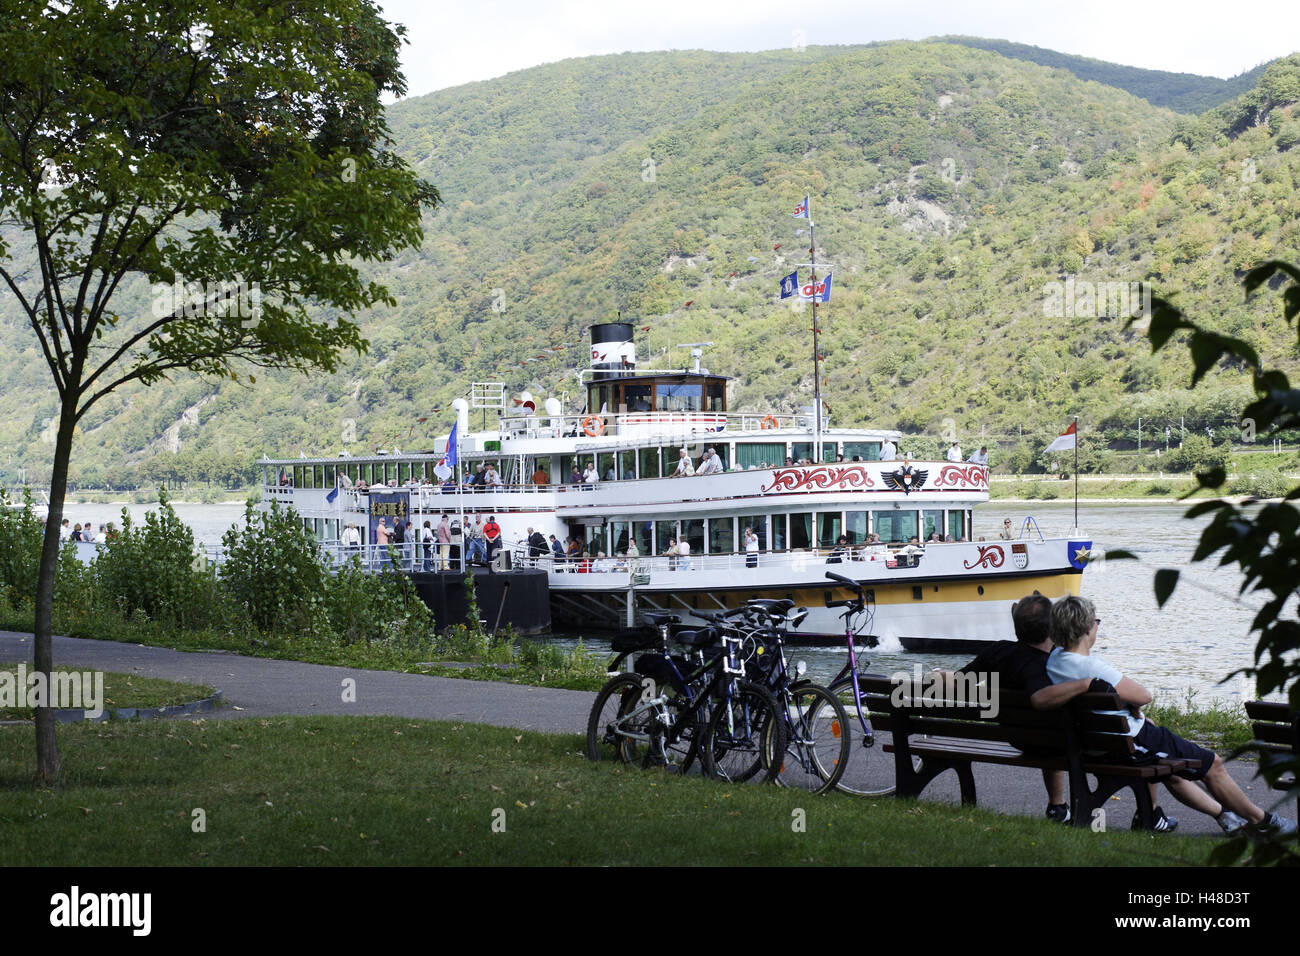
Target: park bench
930 736
1277 735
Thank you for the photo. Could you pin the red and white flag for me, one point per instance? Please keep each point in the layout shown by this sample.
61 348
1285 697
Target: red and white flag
1064 441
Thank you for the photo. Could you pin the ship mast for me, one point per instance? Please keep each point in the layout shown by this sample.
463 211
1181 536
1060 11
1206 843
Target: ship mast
816 331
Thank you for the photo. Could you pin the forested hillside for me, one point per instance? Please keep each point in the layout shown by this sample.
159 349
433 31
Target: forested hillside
950 186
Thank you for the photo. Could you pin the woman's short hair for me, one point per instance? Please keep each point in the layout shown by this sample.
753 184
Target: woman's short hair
1072 618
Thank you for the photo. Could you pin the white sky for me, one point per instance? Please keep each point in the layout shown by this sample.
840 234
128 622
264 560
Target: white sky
457 41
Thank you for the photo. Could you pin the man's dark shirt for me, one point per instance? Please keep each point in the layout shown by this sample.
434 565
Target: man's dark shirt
1019 666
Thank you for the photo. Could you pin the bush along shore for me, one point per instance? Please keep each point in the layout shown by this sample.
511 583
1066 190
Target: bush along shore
274 596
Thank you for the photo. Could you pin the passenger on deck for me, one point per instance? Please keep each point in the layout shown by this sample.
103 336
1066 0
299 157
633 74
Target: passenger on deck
540 477
888 450
685 467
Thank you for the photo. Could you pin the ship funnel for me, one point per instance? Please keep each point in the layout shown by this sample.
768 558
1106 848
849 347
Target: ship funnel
462 416
613 352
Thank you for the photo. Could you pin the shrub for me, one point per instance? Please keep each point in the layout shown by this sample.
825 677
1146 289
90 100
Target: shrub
368 608
153 568
1263 484
274 569
21 534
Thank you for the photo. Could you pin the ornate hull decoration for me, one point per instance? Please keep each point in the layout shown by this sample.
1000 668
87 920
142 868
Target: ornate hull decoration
990 556
819 479
963 476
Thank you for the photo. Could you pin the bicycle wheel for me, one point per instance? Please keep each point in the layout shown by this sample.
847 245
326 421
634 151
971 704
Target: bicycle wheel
870 771
603 738
645 740
817 751
736 742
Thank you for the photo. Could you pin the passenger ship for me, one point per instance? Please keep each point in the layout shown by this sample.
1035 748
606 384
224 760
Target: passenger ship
799 486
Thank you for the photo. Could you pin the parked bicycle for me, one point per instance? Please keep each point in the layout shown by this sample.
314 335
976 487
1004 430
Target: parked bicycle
678 707
870 771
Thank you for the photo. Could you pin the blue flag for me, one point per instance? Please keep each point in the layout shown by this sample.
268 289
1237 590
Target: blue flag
790 284
801 210
333 494
452 458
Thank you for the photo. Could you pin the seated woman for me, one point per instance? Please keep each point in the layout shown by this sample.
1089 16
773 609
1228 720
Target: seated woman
1074 632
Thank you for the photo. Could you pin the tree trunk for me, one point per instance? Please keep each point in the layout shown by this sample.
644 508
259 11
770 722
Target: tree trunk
47 744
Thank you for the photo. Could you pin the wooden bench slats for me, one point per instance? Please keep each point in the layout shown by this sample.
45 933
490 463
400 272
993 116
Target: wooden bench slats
1268 710
1279 734
1009 756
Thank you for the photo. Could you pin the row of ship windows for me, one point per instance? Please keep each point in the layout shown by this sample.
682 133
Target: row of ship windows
654 462
776 532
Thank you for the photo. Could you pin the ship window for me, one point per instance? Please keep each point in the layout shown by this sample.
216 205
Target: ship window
769 454
896 527
866 450
665 534
717 392
678 398
693 531
828 528
802 451
403 472
759 524
330 479
627 465
800 531
605 466
721 536
618 533
648 459
855 526
636 398
933 521
297 476
779 536
644 533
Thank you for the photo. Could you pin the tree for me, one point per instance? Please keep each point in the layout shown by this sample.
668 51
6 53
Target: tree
1263 540
233 156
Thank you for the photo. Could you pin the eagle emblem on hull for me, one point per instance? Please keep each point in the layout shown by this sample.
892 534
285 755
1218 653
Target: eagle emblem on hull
907 479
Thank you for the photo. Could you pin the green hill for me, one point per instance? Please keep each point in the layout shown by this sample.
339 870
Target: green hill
950 186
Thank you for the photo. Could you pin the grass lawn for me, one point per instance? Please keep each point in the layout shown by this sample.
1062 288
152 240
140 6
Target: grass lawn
124 690
390 791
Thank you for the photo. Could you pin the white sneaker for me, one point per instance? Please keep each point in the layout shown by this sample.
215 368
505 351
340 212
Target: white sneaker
1231 823
1275 825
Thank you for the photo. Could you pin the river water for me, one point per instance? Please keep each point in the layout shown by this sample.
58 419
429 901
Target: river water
1201 635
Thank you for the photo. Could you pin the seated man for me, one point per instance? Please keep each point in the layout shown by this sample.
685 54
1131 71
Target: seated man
1022 665
1074 632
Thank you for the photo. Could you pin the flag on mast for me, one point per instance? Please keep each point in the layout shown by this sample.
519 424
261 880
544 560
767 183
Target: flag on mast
801 210
1064 441
790 284
447 466
817 290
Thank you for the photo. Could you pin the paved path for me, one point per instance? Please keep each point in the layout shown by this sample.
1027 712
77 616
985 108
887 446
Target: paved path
259 687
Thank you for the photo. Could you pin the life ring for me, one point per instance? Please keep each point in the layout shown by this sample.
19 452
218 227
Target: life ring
768 422
593 425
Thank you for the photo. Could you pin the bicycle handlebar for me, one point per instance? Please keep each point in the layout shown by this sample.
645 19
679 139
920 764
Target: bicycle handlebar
845 581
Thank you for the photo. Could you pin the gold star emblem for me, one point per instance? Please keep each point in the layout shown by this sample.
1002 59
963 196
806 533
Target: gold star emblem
1082 555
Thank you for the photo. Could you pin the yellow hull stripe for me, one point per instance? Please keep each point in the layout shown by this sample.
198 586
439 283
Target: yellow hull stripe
1009 589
